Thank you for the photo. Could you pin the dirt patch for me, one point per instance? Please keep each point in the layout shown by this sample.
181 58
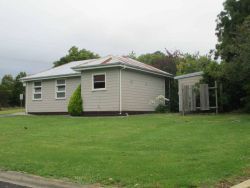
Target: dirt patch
227 183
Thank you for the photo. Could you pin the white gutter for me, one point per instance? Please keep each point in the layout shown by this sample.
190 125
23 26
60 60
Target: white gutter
26 98
120 92
50 77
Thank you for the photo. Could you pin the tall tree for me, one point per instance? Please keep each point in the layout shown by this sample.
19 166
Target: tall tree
233 31
18 89
74 54
6 87
228 21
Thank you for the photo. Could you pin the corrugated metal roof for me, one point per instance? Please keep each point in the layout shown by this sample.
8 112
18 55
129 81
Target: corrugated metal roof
118 60
62 70
74 68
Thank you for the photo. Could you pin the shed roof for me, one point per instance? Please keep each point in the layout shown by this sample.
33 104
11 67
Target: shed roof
188 75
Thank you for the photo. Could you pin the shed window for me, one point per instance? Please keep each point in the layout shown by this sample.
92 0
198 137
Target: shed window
99 81
37 90
60 89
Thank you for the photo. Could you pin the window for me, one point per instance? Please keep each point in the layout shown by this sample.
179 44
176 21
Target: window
37 90
99 81
60 89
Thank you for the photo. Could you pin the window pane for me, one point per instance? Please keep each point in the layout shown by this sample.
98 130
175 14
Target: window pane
60 88
60 95
60 82
37 96
99 85
99 78
37 83
38 90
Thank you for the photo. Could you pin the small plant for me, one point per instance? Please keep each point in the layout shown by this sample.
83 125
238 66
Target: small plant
161 107
75 103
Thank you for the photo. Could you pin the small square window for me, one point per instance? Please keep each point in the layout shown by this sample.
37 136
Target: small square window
60 82
61 95
60 88
37 96
37 84
99 81
38 89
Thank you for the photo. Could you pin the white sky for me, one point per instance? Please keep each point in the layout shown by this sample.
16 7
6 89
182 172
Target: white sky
35 33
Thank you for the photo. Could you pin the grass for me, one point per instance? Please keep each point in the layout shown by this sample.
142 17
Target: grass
5 111
136 151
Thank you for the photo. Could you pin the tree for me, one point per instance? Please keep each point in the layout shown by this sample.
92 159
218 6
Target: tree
192 63
74 54
228 21
233 32
166 62
6 87
18 89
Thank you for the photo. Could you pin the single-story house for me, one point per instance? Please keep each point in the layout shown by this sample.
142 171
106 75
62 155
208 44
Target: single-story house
109 85
187 80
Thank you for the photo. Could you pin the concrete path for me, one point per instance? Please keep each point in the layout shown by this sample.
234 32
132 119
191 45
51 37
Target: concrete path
245 184
11 179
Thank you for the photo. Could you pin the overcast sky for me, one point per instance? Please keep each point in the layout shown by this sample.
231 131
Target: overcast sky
35 33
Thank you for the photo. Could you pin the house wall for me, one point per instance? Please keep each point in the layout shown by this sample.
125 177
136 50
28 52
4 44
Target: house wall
103 100
140 89
49 103
186 81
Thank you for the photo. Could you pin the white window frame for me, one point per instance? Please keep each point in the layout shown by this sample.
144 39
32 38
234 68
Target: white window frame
99 89
34 92
56 89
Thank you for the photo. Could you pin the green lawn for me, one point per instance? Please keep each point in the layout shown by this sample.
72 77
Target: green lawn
5 111
136 151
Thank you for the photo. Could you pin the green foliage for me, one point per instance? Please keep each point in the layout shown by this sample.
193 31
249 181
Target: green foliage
10 89
6 88
74 54
193 63
233 31
228 21
166 62
75 104
18 89
161 108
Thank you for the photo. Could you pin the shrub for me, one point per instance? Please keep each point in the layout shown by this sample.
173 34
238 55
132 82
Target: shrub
75 103
161 108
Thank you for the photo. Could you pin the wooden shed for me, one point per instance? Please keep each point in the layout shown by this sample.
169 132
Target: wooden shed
187 81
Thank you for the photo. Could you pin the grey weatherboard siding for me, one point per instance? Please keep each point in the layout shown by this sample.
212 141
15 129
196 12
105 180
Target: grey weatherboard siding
49 103
104 100
138 90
